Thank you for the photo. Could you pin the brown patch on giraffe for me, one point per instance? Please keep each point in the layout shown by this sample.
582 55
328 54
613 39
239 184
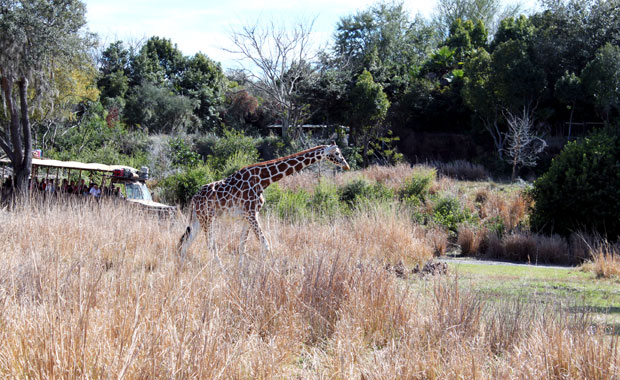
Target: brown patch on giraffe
277 177
282 166
289 171
244 175
263 172
273 170
299 166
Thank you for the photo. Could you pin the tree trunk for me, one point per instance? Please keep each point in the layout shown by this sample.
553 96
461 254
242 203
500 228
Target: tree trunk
20 151
23 173
285 126
365 154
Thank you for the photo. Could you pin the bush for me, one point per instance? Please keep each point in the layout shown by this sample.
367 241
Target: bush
270 147
181 187
181 155
219 150
287 204
581 190
235 162
324 200
359 190
417 187
449 213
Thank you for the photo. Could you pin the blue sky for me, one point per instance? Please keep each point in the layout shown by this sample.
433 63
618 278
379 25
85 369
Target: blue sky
205 26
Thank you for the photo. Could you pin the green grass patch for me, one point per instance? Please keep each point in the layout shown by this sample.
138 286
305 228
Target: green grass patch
572 288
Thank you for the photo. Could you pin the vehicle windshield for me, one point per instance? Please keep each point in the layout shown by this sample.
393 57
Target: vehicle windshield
138 190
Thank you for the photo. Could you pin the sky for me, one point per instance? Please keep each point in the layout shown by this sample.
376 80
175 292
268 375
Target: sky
205 25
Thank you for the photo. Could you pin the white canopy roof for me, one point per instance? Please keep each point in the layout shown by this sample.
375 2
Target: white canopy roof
74 165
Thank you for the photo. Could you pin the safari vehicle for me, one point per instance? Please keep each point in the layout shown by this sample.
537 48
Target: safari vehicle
120 181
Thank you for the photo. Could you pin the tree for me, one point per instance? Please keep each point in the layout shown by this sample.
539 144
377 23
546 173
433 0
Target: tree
387 42
479 95
517 80
159 109
159 61
36 37
368 106
466 36
568 90
75 93
601 79
490 12
279 58
114 69
523 147
203 80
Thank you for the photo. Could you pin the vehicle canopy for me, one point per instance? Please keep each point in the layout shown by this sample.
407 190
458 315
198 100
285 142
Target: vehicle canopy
133 180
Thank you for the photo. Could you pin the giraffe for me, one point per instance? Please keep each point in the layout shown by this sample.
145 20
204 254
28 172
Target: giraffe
242 192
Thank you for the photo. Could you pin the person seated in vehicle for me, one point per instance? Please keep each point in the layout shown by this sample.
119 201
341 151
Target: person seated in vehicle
94 190
81 186
86 189
50 187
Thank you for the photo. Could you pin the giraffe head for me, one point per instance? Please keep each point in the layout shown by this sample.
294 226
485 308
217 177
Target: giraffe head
333 154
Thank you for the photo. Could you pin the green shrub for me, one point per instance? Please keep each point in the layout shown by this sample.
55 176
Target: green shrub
449 213
235 162
272 194
353 155
496 226
218 150
181 187
360 190
581 189
181 155
417 187
324 201
270 147
291 205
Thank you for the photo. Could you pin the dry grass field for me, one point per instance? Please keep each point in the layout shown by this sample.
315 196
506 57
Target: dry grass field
96 291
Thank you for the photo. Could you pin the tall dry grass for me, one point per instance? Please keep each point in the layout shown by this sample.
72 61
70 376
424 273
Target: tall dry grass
97 291
391 176
604 256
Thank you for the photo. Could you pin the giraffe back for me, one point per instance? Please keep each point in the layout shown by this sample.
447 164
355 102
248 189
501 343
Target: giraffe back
239 192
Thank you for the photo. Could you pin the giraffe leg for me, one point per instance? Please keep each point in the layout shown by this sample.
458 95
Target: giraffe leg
252 218
207 224
244 238
190 234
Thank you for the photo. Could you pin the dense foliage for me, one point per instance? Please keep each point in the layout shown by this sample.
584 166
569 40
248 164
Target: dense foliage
392 80
581 190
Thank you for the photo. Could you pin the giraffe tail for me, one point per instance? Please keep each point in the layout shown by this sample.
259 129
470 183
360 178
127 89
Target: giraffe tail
189 234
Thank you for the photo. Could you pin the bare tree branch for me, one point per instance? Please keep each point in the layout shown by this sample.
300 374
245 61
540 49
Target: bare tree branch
279 58
523 147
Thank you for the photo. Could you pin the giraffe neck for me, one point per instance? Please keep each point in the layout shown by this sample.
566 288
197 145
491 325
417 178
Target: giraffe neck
282 167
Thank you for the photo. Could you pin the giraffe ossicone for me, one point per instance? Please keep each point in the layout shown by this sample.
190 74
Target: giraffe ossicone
243 192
